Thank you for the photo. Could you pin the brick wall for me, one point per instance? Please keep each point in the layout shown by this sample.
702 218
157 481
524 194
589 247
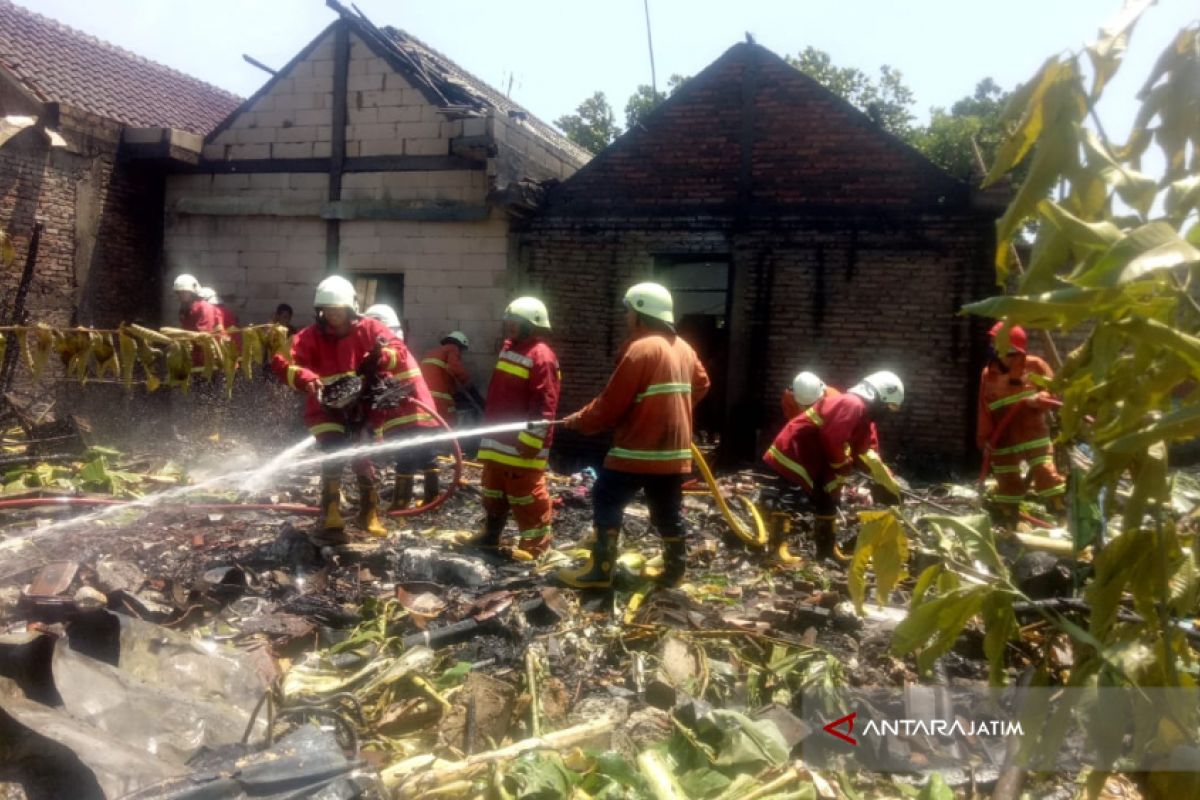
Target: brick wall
98 259
849 252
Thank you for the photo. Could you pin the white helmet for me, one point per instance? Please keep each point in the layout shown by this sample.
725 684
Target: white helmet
209 295
336 291
807 388
458 337
186 283
884 386
653 300
529 309
387 315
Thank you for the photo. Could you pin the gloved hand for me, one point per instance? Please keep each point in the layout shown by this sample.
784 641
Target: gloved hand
314 388
880 474
538 428
370 364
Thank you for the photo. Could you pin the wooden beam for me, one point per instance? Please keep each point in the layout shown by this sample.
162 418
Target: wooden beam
241 205
337 149
250 166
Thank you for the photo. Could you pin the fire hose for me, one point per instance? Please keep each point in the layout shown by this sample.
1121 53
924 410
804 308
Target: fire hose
757 537
284 508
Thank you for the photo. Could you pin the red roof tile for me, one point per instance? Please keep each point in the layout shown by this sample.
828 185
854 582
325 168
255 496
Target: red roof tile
61 64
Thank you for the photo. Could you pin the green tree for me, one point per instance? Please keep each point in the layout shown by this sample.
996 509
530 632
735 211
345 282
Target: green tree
947 139
593 126
645 100
887 101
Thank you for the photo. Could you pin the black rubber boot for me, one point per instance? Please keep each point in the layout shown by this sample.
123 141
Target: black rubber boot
597 571
674 560
493 527
432 486
403 494
825 536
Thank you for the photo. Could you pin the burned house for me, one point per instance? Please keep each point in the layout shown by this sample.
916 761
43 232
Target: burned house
375 156
794 233
69 104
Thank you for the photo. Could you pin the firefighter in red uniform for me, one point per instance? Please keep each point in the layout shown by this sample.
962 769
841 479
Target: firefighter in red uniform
1007 381
648 401
818 449
420 458
525 386
343 345
806 389
444 372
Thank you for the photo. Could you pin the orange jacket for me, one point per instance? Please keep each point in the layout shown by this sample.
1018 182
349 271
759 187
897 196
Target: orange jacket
649 400
445 374
525 386
998 392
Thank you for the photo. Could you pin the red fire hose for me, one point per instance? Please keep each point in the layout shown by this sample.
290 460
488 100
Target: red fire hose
285 508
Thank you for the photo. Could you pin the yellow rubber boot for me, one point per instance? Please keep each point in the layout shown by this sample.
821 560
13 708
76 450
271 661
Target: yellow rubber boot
779 527
403 494
368 507
331 499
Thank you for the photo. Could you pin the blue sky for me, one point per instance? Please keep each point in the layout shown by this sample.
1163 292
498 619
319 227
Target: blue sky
559 51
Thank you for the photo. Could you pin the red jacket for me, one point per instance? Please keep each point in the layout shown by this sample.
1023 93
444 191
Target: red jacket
319 355
821 446
444 373
200 316
649 401
999 391
791 408
525 386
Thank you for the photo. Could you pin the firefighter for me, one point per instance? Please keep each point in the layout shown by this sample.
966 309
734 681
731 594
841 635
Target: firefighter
806 389
327 356
648 403
525 385
818 449
445 374
419 458
195 314
1008 381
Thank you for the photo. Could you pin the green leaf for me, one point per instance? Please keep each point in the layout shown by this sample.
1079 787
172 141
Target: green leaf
974 534
1176 426
1134 187
1183 196
1107 51
541 776
1088 235
936 789
1059 308
925 582
1155 333
935 624
882 542
1000 624
1026 105
1152 247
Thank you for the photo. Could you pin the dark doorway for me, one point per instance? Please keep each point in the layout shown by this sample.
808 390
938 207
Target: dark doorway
375 288
700 288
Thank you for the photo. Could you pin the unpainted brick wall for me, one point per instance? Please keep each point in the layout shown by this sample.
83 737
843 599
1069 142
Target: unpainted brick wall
100 250
849 252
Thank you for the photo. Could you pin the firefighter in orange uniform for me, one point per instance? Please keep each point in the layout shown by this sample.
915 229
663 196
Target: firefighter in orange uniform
525 386
818 449
648 404
343 345
445 374
1007 381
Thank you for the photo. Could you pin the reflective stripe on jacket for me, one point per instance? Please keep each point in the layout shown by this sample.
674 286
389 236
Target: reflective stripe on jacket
525 386
648 402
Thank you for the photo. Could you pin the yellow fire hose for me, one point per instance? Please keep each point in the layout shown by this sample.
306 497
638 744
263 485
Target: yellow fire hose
755 538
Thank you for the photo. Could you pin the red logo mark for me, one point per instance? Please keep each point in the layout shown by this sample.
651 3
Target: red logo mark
848 720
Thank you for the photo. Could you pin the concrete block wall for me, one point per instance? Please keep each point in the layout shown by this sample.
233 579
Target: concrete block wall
290 120
386 115
455 278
